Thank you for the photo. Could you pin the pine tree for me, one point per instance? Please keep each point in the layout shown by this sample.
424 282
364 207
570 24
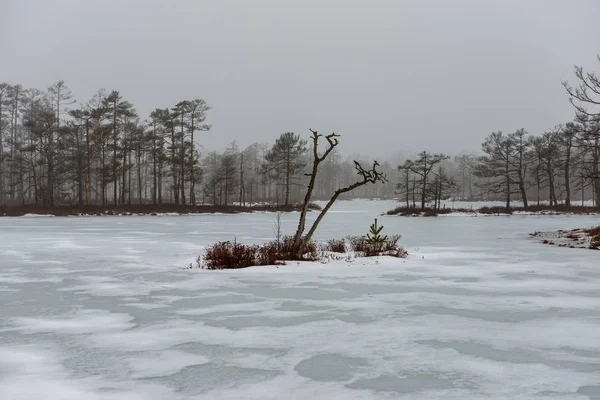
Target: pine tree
374 238
286 160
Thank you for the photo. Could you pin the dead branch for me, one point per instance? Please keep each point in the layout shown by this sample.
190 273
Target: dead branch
367 176
332 143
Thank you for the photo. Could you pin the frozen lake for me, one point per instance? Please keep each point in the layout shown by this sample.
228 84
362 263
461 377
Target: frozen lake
100 308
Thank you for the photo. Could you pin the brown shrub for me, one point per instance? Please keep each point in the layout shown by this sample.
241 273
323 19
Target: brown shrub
593 231
426 212
268 254
391 243
495 210
285 249
233 255
389 247
357 243
543 208
335 246
228 255
403 211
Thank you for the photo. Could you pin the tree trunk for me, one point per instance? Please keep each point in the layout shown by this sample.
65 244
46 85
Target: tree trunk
154 166
414 189
139 174
551 183
88 161
174 167
124 169
596 172
567 174
182 157
80 182
538 184
241 177
114 168
523 192
192 166
2 152
332 140
50 184
287 179
129 167
424 189
406 174
507 177
35 182
160 183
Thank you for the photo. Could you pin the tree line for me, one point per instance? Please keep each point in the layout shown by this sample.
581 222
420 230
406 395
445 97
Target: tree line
103 153
552 166
98 153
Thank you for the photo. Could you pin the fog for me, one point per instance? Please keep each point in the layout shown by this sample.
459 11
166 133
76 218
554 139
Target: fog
390 76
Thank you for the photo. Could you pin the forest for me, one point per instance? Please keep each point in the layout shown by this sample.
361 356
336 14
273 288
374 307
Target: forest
102 152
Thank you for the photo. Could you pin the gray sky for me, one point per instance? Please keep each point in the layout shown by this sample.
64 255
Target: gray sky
390 76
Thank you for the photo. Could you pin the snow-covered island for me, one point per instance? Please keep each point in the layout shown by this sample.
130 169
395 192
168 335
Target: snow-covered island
588 238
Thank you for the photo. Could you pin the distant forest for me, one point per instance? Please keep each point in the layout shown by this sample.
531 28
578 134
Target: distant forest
102 152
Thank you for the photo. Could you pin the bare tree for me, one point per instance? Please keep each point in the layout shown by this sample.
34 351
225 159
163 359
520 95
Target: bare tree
365 177
567 137
197 110
466 165
519 162
4 88
586 93
421 168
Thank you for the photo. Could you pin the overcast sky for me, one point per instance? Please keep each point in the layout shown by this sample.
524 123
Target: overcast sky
390 76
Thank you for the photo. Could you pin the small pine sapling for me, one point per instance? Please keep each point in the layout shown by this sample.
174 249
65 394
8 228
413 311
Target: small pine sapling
374 240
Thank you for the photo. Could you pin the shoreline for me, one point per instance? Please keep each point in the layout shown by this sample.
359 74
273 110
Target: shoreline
142 210
494 211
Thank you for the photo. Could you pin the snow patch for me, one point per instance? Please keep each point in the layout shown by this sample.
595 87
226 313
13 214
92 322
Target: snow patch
83 321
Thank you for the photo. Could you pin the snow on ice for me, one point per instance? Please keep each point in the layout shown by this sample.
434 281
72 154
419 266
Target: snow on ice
94 308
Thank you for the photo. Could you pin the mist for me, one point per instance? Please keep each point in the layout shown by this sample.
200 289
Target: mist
390 77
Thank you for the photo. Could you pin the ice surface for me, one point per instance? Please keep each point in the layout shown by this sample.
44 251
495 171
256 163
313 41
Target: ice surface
151 365
101 308
85 321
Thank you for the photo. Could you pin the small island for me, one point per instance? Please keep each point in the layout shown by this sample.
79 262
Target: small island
543 209
575 238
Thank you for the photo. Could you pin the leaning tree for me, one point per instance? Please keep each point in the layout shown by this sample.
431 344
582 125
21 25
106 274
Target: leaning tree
585 97
366 176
